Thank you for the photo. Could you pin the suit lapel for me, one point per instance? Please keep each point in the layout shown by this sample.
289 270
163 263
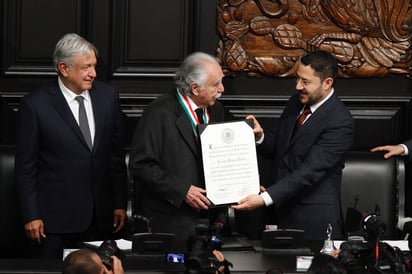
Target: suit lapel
294 112
317 116
185 128
99 117
62 108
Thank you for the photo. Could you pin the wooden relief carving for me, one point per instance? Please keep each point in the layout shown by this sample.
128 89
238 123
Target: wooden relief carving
369 38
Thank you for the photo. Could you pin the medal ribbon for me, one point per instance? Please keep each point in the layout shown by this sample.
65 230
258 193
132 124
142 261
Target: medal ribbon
187 107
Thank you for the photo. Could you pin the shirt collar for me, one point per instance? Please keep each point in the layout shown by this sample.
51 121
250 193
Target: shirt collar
70 95
314 107
192 104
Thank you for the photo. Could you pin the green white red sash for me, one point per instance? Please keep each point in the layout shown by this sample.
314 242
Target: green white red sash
189 106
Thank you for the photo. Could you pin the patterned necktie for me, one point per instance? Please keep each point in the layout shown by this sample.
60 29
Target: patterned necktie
199 113
302 118
83 122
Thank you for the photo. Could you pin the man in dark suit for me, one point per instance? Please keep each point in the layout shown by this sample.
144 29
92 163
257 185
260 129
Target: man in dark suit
308 161
165 159
72 187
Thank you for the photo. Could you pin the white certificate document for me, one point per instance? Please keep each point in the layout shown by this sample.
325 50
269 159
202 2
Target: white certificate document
229 161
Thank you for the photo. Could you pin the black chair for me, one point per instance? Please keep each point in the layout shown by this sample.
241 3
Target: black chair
372 183
13 243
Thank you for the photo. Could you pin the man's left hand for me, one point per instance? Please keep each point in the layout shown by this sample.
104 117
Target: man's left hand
249 203
119 219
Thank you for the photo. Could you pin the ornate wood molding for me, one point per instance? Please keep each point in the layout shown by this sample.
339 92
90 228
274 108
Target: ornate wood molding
369 38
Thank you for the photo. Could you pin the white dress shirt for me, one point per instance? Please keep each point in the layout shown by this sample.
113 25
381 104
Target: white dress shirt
74 106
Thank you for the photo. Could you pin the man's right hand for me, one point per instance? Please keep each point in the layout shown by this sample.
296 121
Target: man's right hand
196 198
117 267
35 230
257 129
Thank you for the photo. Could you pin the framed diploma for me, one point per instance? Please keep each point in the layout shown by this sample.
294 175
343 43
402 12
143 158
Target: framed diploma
229 161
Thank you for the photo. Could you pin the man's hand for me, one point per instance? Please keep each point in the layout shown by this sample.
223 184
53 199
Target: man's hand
257 129
35 230
249 203
117 267
397 150
220 258
119 219
196 198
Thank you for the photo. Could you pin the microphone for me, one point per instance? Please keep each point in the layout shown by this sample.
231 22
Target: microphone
374 227
143 219
405 224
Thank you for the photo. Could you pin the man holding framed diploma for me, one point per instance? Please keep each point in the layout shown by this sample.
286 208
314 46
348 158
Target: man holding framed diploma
308 146
165 158
229 161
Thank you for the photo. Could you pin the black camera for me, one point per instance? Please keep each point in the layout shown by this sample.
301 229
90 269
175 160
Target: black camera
373 256
200 258
107 249
357 255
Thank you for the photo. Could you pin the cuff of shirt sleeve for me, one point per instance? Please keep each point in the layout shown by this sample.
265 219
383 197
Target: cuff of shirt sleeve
406 153
266 198
261 139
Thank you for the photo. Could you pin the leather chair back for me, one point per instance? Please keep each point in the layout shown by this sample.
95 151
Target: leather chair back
13 243
371 182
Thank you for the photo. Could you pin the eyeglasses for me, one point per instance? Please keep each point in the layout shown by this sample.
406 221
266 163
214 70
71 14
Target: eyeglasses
304 81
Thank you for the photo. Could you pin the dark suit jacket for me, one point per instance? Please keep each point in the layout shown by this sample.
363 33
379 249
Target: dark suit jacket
308 167
59 179
408 144
165 160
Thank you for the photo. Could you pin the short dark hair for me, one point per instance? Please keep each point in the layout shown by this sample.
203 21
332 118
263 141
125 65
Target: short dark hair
323 63
81 262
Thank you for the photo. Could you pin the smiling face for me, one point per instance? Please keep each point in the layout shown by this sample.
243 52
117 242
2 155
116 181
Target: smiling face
312 89
79 75
205 95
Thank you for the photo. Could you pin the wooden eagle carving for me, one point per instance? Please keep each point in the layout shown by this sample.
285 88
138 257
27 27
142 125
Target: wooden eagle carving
369 38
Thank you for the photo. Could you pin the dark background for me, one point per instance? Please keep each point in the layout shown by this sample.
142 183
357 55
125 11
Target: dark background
141 44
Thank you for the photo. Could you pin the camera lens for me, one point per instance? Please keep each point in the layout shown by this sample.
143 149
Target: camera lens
106 250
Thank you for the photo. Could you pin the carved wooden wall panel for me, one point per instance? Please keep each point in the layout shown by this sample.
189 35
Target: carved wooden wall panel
369 38
150 38
30 38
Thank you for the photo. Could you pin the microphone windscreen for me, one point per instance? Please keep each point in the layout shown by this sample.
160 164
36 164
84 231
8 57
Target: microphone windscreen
407 227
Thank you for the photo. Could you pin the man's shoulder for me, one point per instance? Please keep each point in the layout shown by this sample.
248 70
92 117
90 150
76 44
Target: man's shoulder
41 91
102 86
167 98
338 105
